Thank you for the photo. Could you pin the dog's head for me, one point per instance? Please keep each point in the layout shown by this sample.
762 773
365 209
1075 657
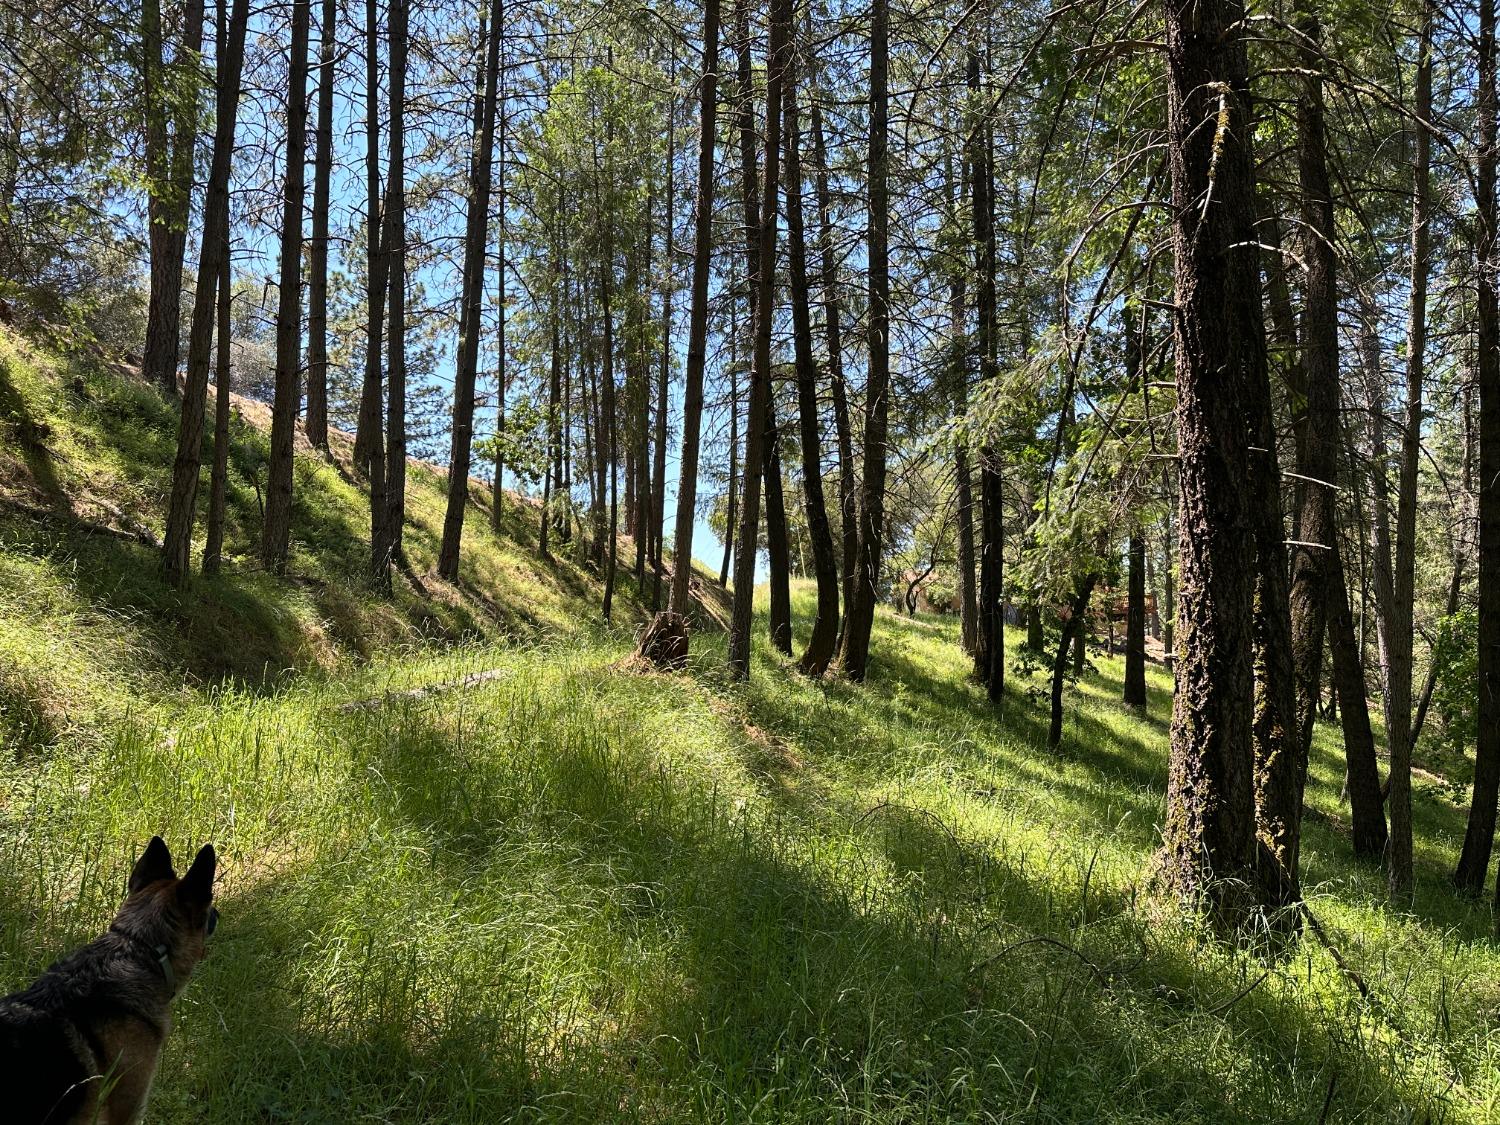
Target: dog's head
171 916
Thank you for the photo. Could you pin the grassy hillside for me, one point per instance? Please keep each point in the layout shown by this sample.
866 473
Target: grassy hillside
85 464
577 892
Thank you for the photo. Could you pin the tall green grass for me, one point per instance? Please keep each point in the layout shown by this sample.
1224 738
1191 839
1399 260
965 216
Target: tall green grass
577 892
580 893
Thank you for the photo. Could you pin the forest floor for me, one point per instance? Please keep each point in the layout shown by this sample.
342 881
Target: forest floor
575 891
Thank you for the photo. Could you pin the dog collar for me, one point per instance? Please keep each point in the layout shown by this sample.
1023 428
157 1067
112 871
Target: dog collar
161 956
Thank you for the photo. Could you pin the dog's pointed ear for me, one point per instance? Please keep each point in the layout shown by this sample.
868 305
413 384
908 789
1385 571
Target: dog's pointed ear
154 865
197 885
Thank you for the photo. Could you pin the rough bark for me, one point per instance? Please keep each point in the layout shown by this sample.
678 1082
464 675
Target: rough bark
1072 629
989 649
968 608
213 257
825 627
731 520
778 548
315 419
170 170
1319 601
669 285
466 371
1479 836
692 409
832 332
277 527
757 410
779 615
1135 624
394 243
497 504
1401 626
1210 848
855 655
369 438
218 487
608 414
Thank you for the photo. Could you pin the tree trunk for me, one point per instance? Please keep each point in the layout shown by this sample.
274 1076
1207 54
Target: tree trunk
1399 630
825 627
158 175
315 421
497 503
369 438
855 656
394 243
832 331
1479 837
609 441
555 442
732 496
779 617
218 488
778 554
213 256
466 372
989 651
1072 629
669 285
1210 848
1318 596
968 608
1135 625
757 411
277 528
692 409
170 172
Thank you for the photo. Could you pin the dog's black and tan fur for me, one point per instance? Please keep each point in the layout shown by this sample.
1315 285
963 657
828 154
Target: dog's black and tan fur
81 1044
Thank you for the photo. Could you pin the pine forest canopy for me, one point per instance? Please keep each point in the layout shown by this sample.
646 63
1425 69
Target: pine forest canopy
1023 311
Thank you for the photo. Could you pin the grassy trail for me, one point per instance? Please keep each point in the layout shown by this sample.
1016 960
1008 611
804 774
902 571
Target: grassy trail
575 892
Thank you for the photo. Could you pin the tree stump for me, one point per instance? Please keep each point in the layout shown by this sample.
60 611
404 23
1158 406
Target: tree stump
664 641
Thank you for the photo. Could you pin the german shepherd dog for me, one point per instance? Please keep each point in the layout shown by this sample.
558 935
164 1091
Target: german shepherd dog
80 1046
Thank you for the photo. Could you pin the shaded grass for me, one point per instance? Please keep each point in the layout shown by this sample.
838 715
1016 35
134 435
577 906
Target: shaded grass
576 893
85 461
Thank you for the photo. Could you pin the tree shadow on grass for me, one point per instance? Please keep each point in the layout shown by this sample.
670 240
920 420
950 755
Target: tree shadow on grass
29 438
812 966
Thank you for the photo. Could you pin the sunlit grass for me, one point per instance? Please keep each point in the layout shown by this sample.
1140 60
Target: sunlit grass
578 892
